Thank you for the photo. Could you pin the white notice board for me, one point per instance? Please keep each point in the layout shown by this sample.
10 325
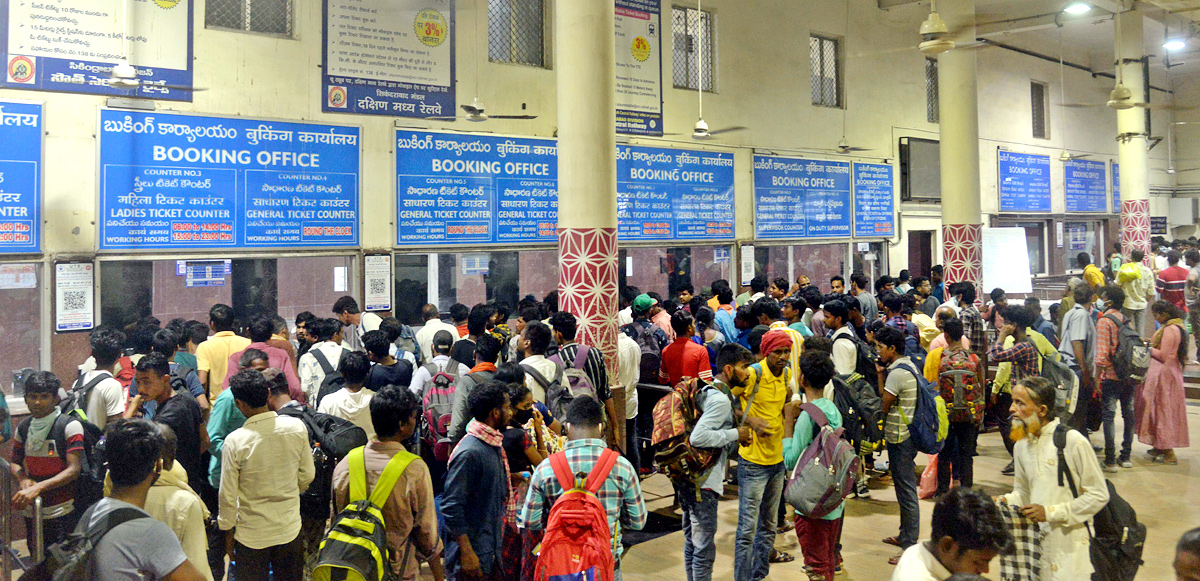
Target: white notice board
74 286
1006 260
378 282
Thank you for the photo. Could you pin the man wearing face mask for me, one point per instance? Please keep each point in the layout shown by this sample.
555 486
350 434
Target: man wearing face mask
1063 516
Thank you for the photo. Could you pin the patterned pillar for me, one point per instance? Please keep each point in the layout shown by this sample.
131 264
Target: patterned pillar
1135 227
587 263
962 252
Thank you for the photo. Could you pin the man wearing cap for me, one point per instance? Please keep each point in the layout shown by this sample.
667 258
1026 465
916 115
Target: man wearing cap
641 307
760 471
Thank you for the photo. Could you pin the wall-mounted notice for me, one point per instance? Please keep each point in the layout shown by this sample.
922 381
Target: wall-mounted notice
1116 188
173 182
672 194
639 67
200 273
801 198
475 189
748 266
72 46
389 57
1077 236
20 176
1024 182
1158 225
874 200
74 294
16 276
1086 185
377 282
1006 260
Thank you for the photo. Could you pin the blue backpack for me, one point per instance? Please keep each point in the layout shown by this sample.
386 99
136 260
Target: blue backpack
930 422
914 351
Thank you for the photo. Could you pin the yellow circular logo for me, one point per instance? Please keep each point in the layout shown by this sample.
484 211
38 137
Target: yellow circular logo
167 3
431 27
21 69
641 48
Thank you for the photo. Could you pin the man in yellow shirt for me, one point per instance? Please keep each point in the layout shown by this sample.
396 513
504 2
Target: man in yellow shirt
760 471
1091 274
212 356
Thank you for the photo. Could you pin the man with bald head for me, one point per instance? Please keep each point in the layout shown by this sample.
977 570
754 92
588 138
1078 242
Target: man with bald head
940 317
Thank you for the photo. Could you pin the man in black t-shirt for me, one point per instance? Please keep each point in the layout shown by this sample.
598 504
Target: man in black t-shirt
387 370
177 409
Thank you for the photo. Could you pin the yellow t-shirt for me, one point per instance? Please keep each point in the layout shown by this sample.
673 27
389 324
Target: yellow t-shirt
213 356
768 405
1093 276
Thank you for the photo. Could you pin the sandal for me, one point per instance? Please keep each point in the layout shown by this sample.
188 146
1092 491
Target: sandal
784 529
780 557
895 560
1167 458
894 541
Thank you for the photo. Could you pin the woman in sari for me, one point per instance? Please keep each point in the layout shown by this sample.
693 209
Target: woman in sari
1159 405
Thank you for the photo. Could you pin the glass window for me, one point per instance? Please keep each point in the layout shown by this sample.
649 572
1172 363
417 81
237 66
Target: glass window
263 16
502 277
871 262
819 262
516 32
1035 242
826 71
932 105
1078 237
131 290
1038 95
692 32
666 270
21 322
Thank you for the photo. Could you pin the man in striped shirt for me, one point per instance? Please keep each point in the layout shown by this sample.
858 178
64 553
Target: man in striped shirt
1172 280
621 493
565 327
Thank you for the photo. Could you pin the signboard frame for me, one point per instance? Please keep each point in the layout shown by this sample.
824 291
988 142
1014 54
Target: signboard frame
1000 201
39 180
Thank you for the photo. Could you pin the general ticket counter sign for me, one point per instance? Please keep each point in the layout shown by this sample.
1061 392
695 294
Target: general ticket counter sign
1024 182
73 45
874 200
182 182
672 194
1086 185
801 198
20 177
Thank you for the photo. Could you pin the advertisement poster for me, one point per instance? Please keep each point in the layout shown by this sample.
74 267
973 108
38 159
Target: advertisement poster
801 198
20 177
1024 182
174 182
74 296
874 200
639 67
1086 185
389 57
72 46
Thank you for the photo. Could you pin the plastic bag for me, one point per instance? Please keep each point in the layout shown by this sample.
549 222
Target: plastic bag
928 479
1128 271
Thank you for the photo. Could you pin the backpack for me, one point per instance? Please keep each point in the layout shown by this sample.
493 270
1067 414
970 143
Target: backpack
560 396
1132 357
577 544
437 408
356 549
914 351
1065 381
826 472
331 439
89 485
179 378
1117 543
333 380
651 361
960 388
864 363
71 558
860 407
125 377
675 416
547 385
408 343
930 422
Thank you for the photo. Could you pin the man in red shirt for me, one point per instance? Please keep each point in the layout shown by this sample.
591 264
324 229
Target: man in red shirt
1171 281
684 358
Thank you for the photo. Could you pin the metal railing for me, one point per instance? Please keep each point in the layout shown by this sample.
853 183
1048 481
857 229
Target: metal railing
9 555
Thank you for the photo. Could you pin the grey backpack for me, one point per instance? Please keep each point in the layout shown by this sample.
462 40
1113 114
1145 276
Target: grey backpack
826 472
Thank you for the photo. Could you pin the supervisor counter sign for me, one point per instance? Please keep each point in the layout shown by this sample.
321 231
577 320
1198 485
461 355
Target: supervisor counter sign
175 182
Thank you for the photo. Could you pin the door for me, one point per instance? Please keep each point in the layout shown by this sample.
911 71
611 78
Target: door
920 252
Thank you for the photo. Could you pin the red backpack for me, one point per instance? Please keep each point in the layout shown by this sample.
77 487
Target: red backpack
577 545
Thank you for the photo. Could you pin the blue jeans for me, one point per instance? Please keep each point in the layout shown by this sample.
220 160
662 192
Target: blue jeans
699 530
759 490
901 462
1114 393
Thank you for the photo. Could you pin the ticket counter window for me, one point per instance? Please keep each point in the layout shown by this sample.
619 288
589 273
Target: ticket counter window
819 262
666 270
502 277
1080 237
20 322
872 261
167 289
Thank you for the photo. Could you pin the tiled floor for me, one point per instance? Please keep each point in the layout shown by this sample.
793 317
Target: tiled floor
1165 498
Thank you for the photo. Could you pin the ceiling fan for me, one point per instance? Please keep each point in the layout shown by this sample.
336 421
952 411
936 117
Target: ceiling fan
124 75
701 131
1121 98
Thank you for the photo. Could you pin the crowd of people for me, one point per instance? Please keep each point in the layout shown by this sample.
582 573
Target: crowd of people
223 443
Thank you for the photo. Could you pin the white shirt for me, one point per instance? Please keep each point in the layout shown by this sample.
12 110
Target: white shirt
845 352
310 371
172 502
107 398
352 406
918 564
425 336
422 376
953 304
370 322
265 465
629 370
1160 262
624 316
548 370
1065 555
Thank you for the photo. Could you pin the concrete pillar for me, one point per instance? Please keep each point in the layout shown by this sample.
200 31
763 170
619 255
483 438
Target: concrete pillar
1132 141
962 227
587 172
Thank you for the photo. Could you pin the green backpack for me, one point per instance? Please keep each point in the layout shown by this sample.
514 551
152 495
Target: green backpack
355 549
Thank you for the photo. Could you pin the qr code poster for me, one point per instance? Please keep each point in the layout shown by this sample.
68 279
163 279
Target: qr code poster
377 281
74 295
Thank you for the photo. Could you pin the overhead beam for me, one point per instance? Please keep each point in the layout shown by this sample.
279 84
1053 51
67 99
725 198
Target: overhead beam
889 4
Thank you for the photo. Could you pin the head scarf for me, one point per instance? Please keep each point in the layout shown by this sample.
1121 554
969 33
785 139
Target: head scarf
773 340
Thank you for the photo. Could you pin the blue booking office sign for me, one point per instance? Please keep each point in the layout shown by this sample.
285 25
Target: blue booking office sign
801 198
1024 182
174 182
20 176
1086 185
